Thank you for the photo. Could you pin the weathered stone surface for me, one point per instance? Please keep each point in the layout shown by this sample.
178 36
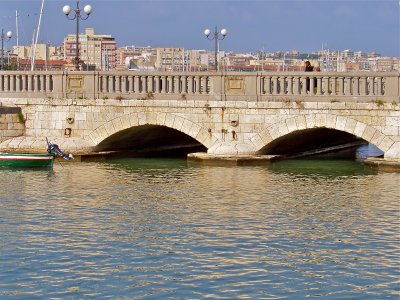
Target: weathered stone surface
238 126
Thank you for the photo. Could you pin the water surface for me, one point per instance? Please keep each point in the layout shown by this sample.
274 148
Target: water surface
160 229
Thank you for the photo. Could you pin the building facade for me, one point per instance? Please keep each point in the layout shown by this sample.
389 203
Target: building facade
96 50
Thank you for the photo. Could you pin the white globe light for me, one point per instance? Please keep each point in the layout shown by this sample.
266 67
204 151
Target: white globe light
207 32
87 9
9 34
224 32
66 9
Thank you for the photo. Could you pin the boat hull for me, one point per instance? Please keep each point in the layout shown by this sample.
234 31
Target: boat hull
26 160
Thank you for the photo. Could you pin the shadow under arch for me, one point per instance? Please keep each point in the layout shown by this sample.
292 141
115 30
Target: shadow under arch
306 133
308 140
145 139
146 129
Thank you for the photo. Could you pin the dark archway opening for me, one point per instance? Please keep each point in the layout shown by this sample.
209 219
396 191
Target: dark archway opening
315 142
150 141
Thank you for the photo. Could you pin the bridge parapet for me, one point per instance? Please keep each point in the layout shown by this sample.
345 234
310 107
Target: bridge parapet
272 86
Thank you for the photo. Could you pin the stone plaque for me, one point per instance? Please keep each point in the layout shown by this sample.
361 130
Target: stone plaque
234 85
75 83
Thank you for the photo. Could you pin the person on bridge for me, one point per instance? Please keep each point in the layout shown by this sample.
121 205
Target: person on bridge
308 67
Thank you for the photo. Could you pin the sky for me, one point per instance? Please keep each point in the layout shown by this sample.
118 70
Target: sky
252 25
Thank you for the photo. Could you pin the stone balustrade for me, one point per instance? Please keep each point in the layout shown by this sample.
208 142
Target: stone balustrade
271 86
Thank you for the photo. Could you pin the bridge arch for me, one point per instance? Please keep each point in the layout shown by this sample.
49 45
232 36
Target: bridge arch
143 117
321 120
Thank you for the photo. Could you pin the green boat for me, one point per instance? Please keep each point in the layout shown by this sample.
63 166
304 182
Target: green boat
26 160
15 160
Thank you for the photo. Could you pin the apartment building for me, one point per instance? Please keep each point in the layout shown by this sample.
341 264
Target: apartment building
171 59
42 52
126 53
98 50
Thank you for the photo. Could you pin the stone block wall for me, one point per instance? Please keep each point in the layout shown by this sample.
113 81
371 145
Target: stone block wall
223 127
11 123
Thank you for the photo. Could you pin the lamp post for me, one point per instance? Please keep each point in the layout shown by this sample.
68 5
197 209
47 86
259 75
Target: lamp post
67 10
217 38
4 37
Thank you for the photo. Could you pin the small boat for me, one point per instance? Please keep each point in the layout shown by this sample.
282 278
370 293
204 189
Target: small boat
34 160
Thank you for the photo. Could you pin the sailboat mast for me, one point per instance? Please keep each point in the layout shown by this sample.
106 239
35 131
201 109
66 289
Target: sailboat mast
37 36
17 32
32 47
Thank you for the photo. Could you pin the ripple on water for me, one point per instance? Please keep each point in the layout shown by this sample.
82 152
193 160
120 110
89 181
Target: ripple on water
151 230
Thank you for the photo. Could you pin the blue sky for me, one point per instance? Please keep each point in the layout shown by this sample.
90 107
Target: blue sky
272 25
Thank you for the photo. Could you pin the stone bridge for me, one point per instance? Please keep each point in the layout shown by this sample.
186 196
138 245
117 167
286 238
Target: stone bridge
226 113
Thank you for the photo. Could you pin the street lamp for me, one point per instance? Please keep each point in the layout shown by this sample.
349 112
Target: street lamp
217 38
66 10
3 37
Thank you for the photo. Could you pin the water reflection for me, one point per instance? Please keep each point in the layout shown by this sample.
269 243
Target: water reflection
325 168
159 229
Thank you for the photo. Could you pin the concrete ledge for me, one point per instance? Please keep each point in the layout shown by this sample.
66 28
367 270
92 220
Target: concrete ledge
230 160
383 164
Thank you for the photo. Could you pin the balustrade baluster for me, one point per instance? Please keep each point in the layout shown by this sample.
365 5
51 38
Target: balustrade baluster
274 85
323 88
204 85
111 84
341 86
313 86
333 85
143 81
163 83
118 84
282 85
290 85
29 82
371 89
12 83
184 83
18 83
176 85
6 83
104 84
124 84
24 83
130 87
191 85
157 84
296 85
347 86
49 83
150 84
262 84
303 85
267 85
356 86
169 85
363 86
379 90
197 85
43 83
136 84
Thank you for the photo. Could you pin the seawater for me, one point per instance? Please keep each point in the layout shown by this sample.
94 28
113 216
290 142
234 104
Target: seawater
163 229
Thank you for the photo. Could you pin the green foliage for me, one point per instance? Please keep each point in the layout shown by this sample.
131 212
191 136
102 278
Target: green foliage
379 103
21 117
